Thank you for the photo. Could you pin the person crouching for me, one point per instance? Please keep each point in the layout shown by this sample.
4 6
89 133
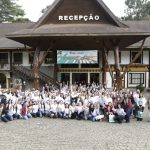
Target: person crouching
67 112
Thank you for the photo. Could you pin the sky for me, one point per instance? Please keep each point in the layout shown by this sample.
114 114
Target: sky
33 7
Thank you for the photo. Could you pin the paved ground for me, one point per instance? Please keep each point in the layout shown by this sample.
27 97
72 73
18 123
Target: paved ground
57 134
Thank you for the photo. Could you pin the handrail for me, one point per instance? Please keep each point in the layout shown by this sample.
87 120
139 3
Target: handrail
28 72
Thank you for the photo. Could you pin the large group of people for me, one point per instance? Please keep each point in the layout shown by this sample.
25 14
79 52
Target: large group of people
78 101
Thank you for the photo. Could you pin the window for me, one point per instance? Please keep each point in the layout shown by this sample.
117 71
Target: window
49 58
18 58
31 57
136 78
3 58
139 60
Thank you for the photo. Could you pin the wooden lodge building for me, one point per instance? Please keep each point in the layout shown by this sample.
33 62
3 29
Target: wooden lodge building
81 26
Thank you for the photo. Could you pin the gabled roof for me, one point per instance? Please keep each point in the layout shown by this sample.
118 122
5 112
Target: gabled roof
50 28
58 4
6 28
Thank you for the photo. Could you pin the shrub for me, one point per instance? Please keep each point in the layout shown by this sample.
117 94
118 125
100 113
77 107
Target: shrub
140 87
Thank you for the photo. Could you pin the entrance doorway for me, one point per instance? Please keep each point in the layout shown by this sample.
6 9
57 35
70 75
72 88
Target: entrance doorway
79 78
2 80
94 77
65 77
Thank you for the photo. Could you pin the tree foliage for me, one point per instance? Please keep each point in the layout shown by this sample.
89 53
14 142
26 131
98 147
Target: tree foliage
137 10
10 11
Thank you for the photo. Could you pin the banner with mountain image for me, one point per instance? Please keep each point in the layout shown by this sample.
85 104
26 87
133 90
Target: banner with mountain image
77 57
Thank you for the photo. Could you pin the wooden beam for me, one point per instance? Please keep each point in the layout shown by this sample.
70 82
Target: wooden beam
135 58
106 60
46 52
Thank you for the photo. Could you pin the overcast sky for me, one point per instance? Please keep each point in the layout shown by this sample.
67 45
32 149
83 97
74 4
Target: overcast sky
33 7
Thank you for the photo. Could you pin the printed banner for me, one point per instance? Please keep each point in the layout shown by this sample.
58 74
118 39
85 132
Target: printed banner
77 57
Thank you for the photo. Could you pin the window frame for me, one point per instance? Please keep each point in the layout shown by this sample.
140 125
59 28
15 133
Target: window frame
131 84
15 62
5 62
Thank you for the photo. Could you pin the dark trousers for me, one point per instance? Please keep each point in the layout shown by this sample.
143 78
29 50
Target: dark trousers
16 116
80 115
119 118
4 119
74 115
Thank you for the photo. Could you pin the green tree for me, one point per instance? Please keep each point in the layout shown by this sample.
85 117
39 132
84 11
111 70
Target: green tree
10 11
137 10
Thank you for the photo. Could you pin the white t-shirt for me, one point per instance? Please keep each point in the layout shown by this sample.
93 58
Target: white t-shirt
14 99
47 107
54 108
35 108
67 111
19 107
61 108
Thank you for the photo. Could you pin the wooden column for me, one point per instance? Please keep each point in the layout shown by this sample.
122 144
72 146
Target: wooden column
11 63
55 65
118 83
89 78
36 68
104 64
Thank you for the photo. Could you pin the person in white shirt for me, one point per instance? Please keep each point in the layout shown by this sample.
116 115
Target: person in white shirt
96 113
35 108
8 95
67 112
59 98
61 109
18 108
11 110
119 114
67 98
46 108
73 110
86 110
14 98
107 99
53 110
80 111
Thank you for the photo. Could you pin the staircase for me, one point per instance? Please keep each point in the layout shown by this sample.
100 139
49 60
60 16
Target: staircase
28 74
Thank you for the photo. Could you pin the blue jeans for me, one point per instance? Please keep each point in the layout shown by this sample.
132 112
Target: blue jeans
9 117
60 114
128 114
39 114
